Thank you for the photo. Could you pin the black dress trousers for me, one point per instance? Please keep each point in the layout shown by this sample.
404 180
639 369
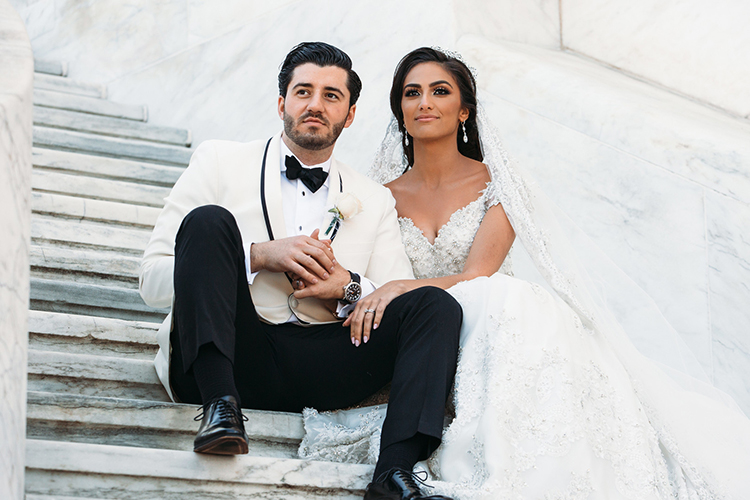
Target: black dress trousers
288 367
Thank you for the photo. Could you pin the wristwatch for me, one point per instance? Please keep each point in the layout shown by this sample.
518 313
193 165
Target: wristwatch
353 290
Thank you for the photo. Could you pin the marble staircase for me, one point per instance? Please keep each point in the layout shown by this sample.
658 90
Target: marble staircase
99 424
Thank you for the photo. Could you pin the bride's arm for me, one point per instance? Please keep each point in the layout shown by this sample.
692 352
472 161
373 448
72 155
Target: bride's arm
488 251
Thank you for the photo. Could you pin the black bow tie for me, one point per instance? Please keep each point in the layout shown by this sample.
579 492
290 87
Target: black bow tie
312 177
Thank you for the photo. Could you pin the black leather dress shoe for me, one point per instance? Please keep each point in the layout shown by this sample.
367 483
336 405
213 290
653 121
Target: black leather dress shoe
222 431
398 484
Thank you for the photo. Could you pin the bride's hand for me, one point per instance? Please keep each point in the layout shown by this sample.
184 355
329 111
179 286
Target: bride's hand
369 310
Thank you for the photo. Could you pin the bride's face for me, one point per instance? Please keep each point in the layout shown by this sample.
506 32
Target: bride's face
431 103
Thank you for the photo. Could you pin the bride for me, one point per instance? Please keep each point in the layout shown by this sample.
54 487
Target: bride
551 398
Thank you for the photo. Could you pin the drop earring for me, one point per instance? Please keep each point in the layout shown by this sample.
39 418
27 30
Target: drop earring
406 136
466 137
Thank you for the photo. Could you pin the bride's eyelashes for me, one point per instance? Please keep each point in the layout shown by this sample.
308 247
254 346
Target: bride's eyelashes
412 91
415 92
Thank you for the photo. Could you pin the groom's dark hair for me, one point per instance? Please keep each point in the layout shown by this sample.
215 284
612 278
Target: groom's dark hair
321 54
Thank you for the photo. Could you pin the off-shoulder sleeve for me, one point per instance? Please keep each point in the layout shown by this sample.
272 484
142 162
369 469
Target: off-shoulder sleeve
491 194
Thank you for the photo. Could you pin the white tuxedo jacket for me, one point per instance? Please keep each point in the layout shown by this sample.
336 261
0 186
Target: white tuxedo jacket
228 174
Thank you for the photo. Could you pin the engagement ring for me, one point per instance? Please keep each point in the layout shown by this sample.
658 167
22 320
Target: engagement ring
369 311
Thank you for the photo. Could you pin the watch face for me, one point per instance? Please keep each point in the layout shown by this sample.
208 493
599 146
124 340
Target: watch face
352 292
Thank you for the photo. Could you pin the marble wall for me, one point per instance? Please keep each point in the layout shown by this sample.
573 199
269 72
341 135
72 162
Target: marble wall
694 47
533 22
661 182
16 79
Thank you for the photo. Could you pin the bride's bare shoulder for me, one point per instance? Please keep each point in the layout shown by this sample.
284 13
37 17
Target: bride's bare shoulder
400 184
474 174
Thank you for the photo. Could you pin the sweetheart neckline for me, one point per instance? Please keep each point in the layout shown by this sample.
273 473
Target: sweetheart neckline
440 230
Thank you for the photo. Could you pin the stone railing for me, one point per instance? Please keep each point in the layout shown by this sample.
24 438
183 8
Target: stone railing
16 82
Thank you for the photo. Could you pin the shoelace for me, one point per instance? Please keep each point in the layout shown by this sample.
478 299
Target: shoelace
225 409
411 479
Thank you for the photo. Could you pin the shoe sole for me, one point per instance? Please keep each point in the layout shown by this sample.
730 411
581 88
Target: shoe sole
224 445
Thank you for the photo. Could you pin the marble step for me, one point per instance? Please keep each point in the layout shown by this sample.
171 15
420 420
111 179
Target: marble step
92 335
94 375
56 497
116 127
73 207
51 231
91 300
148 424
99 189
50 67
105 471
92 105
60 83
84 266
109 168
111 147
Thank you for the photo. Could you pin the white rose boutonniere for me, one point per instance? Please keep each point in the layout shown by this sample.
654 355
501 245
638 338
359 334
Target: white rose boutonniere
346 206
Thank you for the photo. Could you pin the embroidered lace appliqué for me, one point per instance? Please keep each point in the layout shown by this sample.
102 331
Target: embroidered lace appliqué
448 253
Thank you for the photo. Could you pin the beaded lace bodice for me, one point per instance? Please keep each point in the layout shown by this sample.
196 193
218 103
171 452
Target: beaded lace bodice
448 253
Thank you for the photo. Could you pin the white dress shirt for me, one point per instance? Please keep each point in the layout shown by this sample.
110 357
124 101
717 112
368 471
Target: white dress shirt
303 211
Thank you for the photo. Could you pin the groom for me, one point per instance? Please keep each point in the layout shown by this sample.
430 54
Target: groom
235 229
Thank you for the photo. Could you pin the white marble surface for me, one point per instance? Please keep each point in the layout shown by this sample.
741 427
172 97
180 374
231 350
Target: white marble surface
695 47
16 83
209 19
728 230
226 87
104 40
196 467
640 216
644 173
533 22
681 136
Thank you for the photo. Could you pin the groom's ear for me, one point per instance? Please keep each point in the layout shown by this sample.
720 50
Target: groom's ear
350 115
280 107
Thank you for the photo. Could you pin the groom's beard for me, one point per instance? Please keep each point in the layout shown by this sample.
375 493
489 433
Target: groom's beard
312 141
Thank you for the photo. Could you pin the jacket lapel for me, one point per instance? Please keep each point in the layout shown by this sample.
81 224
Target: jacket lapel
334 189
272 187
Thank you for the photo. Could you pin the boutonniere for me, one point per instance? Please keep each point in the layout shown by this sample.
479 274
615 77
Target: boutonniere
346 206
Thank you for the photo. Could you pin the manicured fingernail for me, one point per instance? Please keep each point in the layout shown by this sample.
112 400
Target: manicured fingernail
334 261
356 343
375 326
325 276
315 280
365 339
332 268
353 340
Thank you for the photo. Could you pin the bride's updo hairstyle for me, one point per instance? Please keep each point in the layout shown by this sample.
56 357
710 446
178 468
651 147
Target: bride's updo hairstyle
467 87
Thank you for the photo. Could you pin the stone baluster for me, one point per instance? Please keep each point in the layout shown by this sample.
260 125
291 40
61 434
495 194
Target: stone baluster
16 80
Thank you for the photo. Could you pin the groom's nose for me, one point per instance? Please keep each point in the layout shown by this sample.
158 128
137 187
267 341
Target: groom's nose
315 103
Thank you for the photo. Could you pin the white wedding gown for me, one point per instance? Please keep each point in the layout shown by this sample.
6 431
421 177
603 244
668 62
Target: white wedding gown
544 408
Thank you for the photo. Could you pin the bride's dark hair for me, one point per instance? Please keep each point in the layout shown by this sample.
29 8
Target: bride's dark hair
468 90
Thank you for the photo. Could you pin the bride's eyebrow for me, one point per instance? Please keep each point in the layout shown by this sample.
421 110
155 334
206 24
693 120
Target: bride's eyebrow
433 84
441 82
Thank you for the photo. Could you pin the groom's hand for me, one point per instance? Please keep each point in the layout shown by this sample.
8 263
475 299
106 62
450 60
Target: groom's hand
332 288
305 256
